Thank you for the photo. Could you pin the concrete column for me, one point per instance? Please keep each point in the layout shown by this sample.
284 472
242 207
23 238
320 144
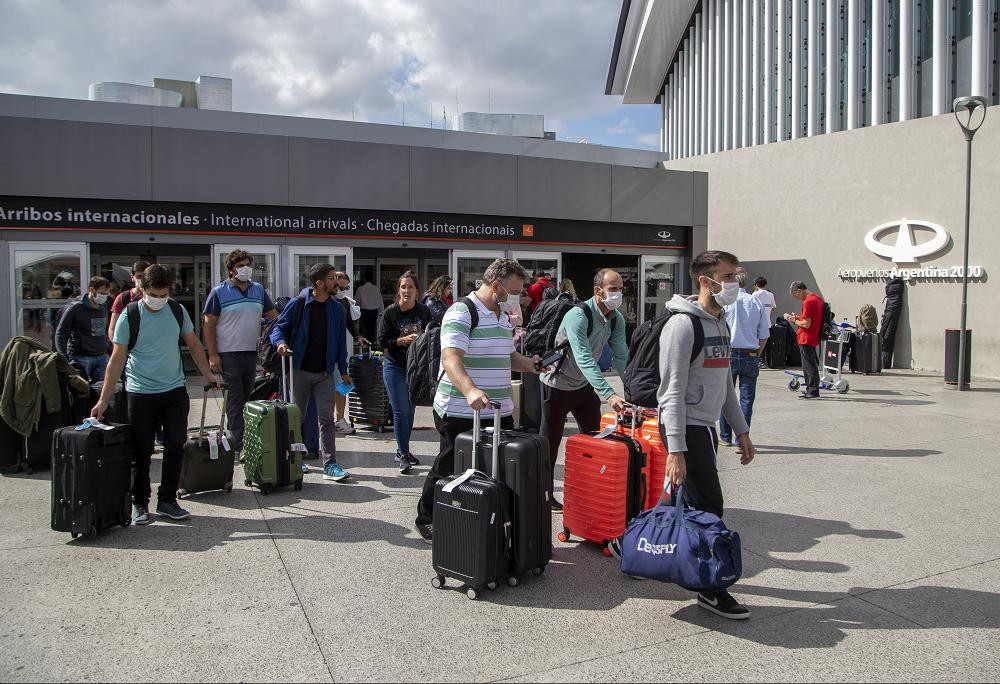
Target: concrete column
782 74
689 96
755 73
980 46
832 65
905 59
746 89
812 69
767 102
703 86
941 51
727 75
796 84
708 7
718 90
736 7
877 99
853 63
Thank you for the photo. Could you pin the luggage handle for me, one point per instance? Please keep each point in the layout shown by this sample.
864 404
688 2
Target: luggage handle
477 434
287 379
204 405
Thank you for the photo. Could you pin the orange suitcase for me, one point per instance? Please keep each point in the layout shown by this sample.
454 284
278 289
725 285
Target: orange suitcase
649 434
605 486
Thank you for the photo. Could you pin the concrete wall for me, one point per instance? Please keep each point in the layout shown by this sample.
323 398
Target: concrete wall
801 209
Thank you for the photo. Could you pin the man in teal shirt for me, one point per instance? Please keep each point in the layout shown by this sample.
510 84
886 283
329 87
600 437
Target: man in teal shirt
577 385
157 394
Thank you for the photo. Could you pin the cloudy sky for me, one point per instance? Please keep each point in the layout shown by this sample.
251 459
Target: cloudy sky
376 60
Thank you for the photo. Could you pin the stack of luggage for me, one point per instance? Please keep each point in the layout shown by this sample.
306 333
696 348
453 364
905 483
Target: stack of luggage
498 527
272 439
368 404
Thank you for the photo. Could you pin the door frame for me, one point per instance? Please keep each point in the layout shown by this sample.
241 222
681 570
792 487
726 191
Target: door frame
19 246
643 260
291 277
457 254
222 248
557 256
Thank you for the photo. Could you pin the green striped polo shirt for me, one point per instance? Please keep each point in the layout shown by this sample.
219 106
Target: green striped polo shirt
487 358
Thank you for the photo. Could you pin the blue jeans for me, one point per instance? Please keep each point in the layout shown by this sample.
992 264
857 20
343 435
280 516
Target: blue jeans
403 410
93 366
745 369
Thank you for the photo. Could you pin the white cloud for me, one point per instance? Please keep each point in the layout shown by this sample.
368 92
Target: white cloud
650 140
623 127
327 58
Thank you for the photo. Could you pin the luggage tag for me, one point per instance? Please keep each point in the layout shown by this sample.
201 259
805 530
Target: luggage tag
93 422
224 441
447 489
213 445
606 432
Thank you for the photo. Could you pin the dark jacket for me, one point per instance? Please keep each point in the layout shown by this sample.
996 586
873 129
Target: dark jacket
336 326
438 308
83 330
395 323
352 326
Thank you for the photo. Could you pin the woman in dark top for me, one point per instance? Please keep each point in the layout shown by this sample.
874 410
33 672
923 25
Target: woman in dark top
438 297
398 326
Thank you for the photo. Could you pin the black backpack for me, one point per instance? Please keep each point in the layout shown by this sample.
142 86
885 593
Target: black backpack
827 327
267 353
543 328
423 359
642 374
133 320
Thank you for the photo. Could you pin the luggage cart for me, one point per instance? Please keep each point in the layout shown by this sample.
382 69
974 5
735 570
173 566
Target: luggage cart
833 354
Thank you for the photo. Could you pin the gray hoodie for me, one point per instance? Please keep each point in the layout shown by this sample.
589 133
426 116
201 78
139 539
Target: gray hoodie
695 393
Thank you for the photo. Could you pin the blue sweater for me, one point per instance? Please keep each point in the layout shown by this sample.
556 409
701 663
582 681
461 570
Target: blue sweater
336 332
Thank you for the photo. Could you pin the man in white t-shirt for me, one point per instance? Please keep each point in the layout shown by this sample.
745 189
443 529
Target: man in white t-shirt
764 296
369 299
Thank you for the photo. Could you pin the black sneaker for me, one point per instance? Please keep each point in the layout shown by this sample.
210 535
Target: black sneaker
723 604
809 395
406 459
426 532
556 505
615 547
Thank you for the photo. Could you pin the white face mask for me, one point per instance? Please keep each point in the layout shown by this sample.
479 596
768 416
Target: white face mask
154 303
244 273
341 294
509 305
729 294
100 299
612 300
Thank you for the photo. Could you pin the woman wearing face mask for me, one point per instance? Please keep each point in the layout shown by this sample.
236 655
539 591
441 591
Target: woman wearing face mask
233 310
577 385
438 297
80 333
398 327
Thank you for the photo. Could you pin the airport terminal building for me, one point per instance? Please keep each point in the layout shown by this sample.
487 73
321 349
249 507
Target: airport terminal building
89 187
832 155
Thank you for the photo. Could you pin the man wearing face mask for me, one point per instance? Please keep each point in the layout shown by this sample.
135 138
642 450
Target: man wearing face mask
352 314
577 385
232 313
477 357
80 335
694 392
146 347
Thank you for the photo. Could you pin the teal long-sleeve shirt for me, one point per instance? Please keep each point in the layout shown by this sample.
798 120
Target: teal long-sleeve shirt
580 367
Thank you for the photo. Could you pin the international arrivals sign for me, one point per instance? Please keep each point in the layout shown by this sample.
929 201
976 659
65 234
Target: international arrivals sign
906 252
126 216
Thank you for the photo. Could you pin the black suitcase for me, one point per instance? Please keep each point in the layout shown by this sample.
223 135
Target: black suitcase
209 457
867 354
776 353
37 452
531 402
369 403
472 528
91 479
525 469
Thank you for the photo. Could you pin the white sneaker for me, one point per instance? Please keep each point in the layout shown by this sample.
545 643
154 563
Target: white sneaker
343 427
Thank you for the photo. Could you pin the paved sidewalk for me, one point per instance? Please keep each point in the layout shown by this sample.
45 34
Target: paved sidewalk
870 552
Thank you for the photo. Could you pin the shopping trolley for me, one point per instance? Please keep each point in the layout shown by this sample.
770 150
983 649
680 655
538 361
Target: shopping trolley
833 352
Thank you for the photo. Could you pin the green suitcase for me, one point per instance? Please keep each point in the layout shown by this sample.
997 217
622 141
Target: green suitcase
272 444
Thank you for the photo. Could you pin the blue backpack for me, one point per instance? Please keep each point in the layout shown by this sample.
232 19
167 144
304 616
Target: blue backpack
687 547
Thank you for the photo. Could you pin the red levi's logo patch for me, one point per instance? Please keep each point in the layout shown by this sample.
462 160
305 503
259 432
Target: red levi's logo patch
716 352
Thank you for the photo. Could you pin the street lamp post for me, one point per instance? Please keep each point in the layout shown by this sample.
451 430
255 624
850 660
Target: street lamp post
967 107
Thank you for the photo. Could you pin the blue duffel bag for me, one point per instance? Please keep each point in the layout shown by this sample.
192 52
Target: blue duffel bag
682 546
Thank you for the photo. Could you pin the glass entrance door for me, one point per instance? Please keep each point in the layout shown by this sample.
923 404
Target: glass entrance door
660 282
265 264
467 270
301 259
536 263
47 277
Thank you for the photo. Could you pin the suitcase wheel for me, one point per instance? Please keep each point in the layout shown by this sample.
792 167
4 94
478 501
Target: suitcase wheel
127 522
265 489
606 551
380 428
794 384
228 487
92 532
298 486
513 581
472 594
438 582
492 586
74 535
564 535
537 571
